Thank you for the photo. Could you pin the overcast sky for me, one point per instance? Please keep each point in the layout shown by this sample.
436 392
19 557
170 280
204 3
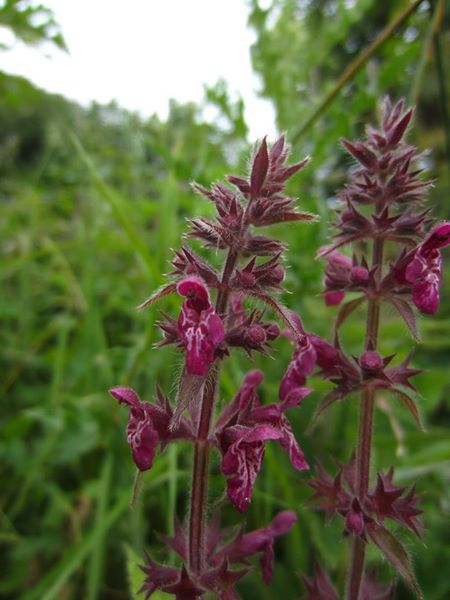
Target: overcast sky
143 52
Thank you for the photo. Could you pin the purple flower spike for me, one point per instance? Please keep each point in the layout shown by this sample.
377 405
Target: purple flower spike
141 434
200 328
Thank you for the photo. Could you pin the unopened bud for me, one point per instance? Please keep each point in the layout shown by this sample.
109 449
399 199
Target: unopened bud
272 330
354 520
255 336
359 275
371 361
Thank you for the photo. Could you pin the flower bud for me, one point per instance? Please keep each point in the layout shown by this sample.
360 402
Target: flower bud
254 336
359 275
371 362
272 330
333 298
354 519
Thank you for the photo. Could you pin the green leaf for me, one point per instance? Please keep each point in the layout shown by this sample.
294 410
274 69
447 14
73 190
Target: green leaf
134 573
396 554
410 404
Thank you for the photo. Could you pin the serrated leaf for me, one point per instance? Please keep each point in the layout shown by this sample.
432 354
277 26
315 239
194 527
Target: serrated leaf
396 554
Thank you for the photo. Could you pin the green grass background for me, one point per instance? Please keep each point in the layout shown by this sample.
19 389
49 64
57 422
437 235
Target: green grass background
92 201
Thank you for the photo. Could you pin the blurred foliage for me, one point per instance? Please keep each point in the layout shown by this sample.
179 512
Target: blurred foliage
92 200
31 23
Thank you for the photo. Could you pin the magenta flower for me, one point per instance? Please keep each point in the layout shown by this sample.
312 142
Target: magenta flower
242 431
303 361
310 350
334 298
327 355
260 541
141 434
199 327
148 425
424 269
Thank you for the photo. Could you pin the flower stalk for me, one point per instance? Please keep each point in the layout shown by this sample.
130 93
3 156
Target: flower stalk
381 209
365 431
199 487
207 332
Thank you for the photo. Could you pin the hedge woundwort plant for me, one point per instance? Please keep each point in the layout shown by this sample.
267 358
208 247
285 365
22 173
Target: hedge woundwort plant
207 332
396 261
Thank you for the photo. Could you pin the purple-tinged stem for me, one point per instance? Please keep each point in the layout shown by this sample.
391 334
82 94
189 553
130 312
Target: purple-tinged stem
365 432
199 488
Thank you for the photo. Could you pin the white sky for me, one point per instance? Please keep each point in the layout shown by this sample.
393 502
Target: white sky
143 52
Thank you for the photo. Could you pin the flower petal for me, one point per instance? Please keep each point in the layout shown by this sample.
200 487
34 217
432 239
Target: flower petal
142 437
200 328
289 443
302 364
242 460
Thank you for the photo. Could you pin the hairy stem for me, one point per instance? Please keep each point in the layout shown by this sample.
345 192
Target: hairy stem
199 488
200 481
365 432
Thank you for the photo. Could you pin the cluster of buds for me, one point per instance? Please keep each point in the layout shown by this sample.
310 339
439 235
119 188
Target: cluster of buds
395 260
343 273
206 331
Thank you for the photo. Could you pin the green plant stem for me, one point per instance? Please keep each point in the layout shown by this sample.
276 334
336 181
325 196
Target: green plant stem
356 65
365 433
199 489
